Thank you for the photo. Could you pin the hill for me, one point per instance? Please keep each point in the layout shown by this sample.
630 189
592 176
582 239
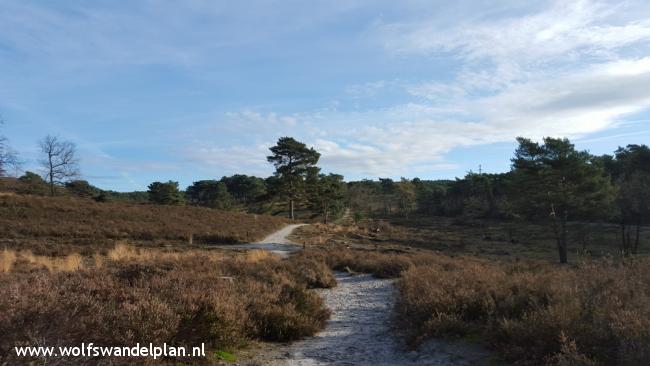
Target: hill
83 225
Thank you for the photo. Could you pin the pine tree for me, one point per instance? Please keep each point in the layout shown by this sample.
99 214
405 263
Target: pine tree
557 180
293 160
165 193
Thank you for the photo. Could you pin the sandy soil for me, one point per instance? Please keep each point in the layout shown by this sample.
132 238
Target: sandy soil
277 243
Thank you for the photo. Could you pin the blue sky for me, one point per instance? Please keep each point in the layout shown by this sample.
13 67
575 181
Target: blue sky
159 90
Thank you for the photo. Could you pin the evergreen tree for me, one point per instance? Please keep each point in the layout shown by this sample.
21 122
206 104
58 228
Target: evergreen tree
557 180
387 188
32 183
209 193
245 189
630 172
406 197
326 194
293 160
82 188
165 193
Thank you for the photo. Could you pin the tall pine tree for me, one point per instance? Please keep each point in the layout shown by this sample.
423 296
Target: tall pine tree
293 160
556 180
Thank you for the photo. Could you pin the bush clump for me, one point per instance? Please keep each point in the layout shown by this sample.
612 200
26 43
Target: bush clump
595 313
181 299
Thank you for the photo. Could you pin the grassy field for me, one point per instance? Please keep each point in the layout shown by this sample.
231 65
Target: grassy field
64 225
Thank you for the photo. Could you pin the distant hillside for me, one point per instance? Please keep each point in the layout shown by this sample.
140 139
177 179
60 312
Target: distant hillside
37 222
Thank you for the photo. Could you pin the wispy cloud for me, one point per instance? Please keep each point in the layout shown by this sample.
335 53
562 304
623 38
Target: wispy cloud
483 106
380 88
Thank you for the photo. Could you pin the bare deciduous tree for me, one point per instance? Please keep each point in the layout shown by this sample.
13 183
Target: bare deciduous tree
8 157
59 161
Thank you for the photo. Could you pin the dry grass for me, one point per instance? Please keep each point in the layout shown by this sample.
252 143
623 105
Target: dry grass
136 295
68 263
123 251
257 255
26 261
7 259
11 260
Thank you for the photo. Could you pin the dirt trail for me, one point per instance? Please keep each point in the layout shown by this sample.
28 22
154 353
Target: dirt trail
277 242
359 331
281 236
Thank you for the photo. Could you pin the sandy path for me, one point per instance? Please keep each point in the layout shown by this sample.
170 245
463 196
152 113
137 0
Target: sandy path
281 236
277 242
359 333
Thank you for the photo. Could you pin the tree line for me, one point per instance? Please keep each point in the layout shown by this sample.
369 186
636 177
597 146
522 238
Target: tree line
297 182
548 181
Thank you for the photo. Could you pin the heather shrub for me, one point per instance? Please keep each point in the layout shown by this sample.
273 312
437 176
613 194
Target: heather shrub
310 270
595 313
181 299
296 313
380 264
68 224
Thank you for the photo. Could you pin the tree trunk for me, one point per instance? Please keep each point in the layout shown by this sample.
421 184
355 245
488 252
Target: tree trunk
623 243
563 249
51 176
628 249
636 239
291 208
560 234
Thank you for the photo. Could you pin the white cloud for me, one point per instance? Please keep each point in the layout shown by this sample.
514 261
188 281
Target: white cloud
415 136
569 69
244 159
581 26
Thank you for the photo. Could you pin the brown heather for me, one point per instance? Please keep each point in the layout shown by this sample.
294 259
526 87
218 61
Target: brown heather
178 298
63 225
531 312
69 274
594 313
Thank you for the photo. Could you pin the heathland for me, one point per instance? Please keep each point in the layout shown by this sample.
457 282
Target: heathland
545 264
